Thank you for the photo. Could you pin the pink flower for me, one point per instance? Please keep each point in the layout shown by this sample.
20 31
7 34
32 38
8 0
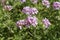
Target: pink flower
34 1
29 11
56 5
26 10
22 1
46 3
27 22
8 7
34 11
20 23
32 20
46 22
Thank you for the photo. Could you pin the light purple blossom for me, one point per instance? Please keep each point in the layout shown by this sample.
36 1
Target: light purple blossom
8 7
27 22
26 10
32 20
29 11
20 23
46 22
56 5
34 1
22 1
46 3
34 11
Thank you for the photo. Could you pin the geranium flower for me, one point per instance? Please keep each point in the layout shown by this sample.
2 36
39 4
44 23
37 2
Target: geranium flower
46 3
29 11
20 23
46 22
32 20
56 5
8 7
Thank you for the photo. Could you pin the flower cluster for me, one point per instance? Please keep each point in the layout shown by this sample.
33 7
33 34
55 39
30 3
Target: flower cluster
29 11
46 22
56 5
46 3
20 23
30 20
27 22
8 7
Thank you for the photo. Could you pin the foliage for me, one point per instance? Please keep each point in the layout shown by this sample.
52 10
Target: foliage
8 19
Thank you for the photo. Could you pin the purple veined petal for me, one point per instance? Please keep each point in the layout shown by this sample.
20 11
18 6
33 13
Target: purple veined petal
32 20
34 11
26 10
27 24
22 1
46 26
20 23
29 11
56 5
46 3
46 22
8 7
